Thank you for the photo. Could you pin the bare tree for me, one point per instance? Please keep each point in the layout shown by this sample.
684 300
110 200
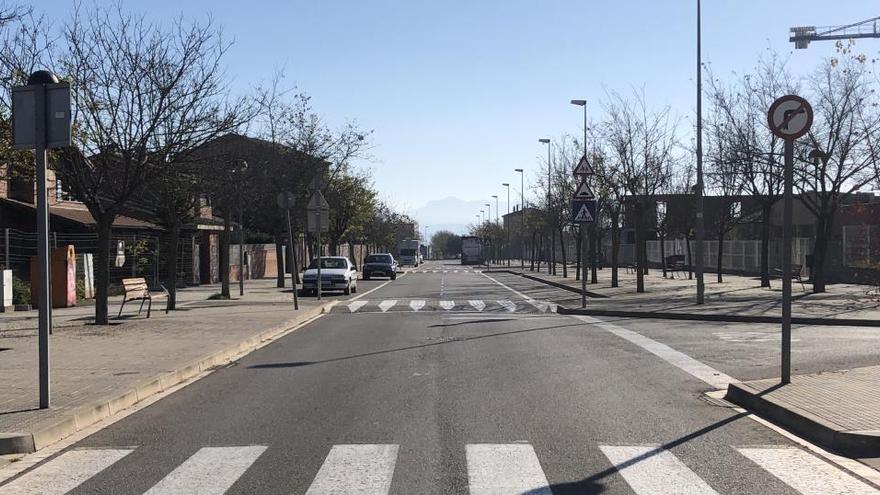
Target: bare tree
642 143
840 156
755 153
131 82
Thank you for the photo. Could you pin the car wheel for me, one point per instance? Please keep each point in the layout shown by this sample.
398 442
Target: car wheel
347 289
393 276
366 277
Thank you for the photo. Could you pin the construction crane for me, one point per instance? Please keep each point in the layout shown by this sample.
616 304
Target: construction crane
802 36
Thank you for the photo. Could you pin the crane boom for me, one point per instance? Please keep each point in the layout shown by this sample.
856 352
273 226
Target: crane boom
801 36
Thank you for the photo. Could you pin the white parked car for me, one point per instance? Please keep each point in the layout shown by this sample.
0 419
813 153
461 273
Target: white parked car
337 273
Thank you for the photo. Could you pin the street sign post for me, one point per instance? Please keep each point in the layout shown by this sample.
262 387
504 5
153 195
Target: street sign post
583 210
582 202
41 120
789 118
286 200
319 221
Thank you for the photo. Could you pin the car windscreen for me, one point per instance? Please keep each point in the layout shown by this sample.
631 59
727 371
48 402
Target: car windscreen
378 258
329 263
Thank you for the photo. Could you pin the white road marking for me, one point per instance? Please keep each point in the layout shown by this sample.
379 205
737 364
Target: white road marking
447 305
652 470
690 365
435 271
501 469
211 470
508 305
65 472
357 305
417 304
454 271
540 306
387 304
477 304
383 284
445 271
356 469
805 472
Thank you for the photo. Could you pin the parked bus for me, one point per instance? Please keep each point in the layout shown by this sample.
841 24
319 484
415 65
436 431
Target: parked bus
471 250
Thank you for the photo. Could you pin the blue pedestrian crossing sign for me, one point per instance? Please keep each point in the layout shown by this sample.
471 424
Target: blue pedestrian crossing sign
583 211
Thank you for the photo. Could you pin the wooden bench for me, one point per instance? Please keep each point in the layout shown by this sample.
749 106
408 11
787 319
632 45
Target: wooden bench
675 263
136 289
795 274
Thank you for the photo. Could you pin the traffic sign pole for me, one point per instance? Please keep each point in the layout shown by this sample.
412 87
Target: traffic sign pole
789 118
43 298
293 269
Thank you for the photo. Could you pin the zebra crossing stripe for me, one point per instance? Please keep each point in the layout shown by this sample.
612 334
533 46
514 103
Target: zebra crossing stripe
435 271
356 469
478 305
447 305
357 305
805 472
652 470
416 305
211 470
387 304
65 472
495 469
540 306
508 305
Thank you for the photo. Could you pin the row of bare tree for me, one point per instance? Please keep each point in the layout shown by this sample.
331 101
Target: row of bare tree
150 105
640 154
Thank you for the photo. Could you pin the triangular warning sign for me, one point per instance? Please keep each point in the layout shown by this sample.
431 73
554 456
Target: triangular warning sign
583 215
583 191
583 167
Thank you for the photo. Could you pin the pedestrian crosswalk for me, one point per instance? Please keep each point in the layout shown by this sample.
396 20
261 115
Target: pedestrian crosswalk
501 306
492 469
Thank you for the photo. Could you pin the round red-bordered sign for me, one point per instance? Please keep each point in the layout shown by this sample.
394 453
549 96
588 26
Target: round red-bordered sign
790 117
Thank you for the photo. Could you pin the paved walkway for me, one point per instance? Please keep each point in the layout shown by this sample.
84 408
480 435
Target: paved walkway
840 409
91 364
740 295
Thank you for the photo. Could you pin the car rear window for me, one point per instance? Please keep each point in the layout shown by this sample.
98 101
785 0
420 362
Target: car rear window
378 258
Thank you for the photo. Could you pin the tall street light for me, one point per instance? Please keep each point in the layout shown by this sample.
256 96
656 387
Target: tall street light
243 168
489 209
482 217
583 103
507 252
522 217
700 227
549 187
426 241
496 207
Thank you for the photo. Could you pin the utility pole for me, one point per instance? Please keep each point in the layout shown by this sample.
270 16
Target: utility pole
507 229
700 226
522 217
549 197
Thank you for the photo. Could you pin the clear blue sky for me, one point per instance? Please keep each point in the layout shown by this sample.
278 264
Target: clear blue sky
459 91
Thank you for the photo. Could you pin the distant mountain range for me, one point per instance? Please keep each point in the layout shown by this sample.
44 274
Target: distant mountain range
451 214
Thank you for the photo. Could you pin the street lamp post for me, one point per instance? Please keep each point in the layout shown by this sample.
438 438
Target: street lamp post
522 217
700 227
426 242
244 166
583 103
507 230
549 188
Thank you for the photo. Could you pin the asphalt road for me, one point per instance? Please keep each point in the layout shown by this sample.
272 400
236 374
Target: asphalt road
465 384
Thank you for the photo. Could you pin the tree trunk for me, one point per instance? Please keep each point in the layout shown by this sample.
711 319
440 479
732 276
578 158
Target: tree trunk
594 242
532 251
562 249
615 247
640 264
765 244
224 256
720 261
663 253
172 245
279 257
687 241
820 249
102 267
578 244
551 269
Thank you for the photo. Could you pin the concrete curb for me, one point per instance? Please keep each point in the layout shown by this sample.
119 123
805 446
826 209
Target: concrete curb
666 315
858 444
550 282
81 417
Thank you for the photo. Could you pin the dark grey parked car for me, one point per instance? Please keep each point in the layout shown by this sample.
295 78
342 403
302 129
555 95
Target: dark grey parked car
379 265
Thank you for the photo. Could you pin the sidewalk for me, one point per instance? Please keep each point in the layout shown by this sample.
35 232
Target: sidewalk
839 410
736 296
99 370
